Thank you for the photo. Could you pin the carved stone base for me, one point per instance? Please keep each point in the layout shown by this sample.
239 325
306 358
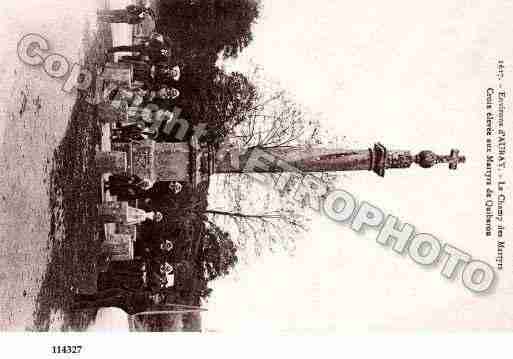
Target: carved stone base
119 247
109 114
113 212
113 161
119 73
126 229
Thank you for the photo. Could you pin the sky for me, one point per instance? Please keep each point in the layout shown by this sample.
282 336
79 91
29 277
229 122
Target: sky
412 75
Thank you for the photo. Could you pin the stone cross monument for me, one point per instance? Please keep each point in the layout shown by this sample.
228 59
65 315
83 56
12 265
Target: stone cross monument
376 159
191 163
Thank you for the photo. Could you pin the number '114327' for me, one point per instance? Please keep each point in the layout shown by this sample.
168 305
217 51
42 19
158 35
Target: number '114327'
66 349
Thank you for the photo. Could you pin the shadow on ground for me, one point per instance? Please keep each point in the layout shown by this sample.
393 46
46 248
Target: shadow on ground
75 236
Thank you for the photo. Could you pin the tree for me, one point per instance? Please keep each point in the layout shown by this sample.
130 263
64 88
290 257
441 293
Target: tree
199 32
219 254
262 217
221 104
279 122
257 232
209 27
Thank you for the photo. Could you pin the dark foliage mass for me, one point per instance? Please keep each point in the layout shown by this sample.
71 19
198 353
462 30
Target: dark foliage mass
218 100
207 27
199 31
219 253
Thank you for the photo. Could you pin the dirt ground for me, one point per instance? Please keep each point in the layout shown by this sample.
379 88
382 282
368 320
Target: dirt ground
48 188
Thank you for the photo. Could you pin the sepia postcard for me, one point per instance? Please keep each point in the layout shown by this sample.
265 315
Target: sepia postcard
256 166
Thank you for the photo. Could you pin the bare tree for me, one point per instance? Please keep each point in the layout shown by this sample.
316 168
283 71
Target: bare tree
260 231
262 218
277 123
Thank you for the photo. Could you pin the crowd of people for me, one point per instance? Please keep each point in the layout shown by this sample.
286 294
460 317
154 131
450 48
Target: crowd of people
154 266
138 284
155 80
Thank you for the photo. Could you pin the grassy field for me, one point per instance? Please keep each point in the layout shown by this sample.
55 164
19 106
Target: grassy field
74 192
48 188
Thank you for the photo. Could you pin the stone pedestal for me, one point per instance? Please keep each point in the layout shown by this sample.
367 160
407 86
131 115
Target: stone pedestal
109 114
142 159
111 162
119 247
126 229
172 161
113 212
158 161
119 73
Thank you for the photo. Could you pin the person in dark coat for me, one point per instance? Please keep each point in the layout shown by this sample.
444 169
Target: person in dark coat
132 302
164 73
128 187
123 274
154 50
132 14
132 132
153 76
